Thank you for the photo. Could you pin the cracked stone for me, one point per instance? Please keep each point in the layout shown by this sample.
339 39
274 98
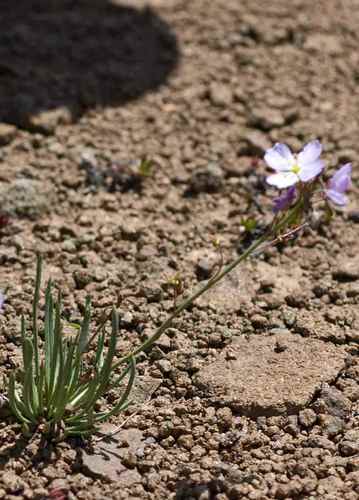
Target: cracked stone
260 381
108 456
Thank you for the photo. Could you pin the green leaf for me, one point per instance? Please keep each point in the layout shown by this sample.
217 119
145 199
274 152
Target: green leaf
249 224
35 311
120 406
145 167
85 326
17 411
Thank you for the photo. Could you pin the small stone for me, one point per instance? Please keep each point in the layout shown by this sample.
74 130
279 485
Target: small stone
225 418
69 246
256 143
331 425
12 482
348 270
350 444
307 418
59 484
332 402
82 278
25 197
209 179
186 441
205 266
164 365
354 216
259 321
126 319
323 44
220 95
321 442
7 133
266 119
151 291
131 230
46 122
353 290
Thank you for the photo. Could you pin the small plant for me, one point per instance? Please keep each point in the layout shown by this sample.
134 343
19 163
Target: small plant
59 387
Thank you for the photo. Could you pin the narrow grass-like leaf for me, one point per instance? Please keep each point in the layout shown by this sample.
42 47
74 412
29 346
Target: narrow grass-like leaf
28 352
105 372
57 345
124 398
35 312
48 331
85 326
62 399
99 359
16 409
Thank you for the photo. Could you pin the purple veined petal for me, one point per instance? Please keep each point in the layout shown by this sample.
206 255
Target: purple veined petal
284 200
282 179
310 153
311 170
279 157
341 179
336 197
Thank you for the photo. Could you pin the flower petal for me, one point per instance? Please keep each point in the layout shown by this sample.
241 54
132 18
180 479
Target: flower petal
284 200
282 179
335 197
310 153
279 157
310 170
341 179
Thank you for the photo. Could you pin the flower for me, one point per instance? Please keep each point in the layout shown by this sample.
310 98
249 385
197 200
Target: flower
292 168
2 300
284 200
338 184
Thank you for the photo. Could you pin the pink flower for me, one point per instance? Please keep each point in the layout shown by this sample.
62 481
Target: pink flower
292 168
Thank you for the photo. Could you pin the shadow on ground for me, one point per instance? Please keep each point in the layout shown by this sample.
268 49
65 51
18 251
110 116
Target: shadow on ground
79 54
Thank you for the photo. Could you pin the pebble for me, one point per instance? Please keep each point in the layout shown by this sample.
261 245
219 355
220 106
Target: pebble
331 425
350 444
256 143
307 418
347 271
7 133
46 122
25 197
220 95
209 179
152 291
332 402
354 216
266 119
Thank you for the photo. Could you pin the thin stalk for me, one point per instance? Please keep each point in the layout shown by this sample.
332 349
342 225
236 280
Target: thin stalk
273 229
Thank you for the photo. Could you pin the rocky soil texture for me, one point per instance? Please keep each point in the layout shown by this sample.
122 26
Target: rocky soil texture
253 394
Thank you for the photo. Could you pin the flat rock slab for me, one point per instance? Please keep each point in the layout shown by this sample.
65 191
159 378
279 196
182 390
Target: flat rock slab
107 457
270 375
230 294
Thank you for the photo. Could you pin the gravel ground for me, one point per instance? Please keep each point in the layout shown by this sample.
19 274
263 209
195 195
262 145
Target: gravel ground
253 394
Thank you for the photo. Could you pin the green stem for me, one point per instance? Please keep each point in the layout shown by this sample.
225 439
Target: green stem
274 229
